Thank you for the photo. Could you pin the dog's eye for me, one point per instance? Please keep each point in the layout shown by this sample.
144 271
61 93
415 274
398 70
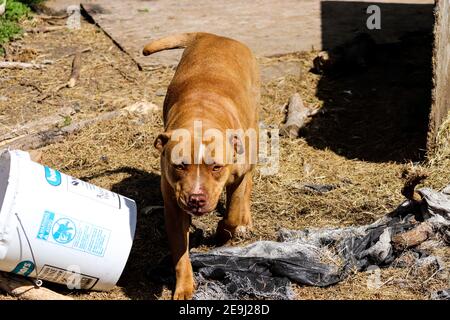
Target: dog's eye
180 166
217 168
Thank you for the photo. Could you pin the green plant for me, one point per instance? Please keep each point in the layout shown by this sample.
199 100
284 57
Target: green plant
8 30
9 21
15 11
67 121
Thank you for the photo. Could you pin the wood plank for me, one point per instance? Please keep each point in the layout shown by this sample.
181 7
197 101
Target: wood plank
440 108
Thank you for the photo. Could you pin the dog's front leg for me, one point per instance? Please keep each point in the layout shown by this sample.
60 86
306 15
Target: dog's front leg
177 226
238 219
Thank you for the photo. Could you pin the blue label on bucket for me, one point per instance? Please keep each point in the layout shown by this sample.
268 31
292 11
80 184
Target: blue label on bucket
46 225
64 231
75 234
52 176
24 268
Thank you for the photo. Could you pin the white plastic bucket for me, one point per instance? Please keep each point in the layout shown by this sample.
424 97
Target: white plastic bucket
58 228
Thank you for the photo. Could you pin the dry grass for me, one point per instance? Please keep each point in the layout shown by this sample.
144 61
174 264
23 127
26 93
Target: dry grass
109 78
119 155
442 152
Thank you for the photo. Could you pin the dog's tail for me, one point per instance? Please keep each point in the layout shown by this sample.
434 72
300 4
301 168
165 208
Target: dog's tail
175 41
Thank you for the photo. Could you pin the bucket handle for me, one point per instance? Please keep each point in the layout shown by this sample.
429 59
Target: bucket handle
37 282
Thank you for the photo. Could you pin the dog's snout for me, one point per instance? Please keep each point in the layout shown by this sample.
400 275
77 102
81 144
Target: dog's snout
197 200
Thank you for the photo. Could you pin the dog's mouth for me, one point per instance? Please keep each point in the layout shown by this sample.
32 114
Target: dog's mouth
198 212
194 211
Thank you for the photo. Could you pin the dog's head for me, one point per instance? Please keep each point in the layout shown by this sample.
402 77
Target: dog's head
198 169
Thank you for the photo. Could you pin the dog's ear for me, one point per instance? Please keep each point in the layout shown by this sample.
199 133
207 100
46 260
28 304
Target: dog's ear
161 140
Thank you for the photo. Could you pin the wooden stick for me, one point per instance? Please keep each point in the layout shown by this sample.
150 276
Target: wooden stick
41 139
296 116
74 53
45 29
76 66
75 74
38 125
35 87
24 289
19 65
46 17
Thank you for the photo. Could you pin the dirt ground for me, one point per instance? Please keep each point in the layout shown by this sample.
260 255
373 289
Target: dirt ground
360 141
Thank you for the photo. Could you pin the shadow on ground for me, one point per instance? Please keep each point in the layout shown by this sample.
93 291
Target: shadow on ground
149 266
378 112
150 241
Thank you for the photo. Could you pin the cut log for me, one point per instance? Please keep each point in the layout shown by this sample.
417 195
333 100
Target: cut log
23 288
413 176
413 237
323 62
20 65
355 54
297 114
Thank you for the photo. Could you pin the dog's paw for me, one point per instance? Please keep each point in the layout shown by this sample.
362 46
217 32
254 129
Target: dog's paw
243 232
183 293
225 233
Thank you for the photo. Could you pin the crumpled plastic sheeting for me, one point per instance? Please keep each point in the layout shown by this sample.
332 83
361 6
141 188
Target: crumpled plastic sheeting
317 257
235 285
441 295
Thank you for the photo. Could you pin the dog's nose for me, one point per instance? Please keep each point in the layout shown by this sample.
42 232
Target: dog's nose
197 200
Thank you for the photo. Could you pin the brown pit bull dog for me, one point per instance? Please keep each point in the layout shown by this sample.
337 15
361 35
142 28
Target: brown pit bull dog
216 85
